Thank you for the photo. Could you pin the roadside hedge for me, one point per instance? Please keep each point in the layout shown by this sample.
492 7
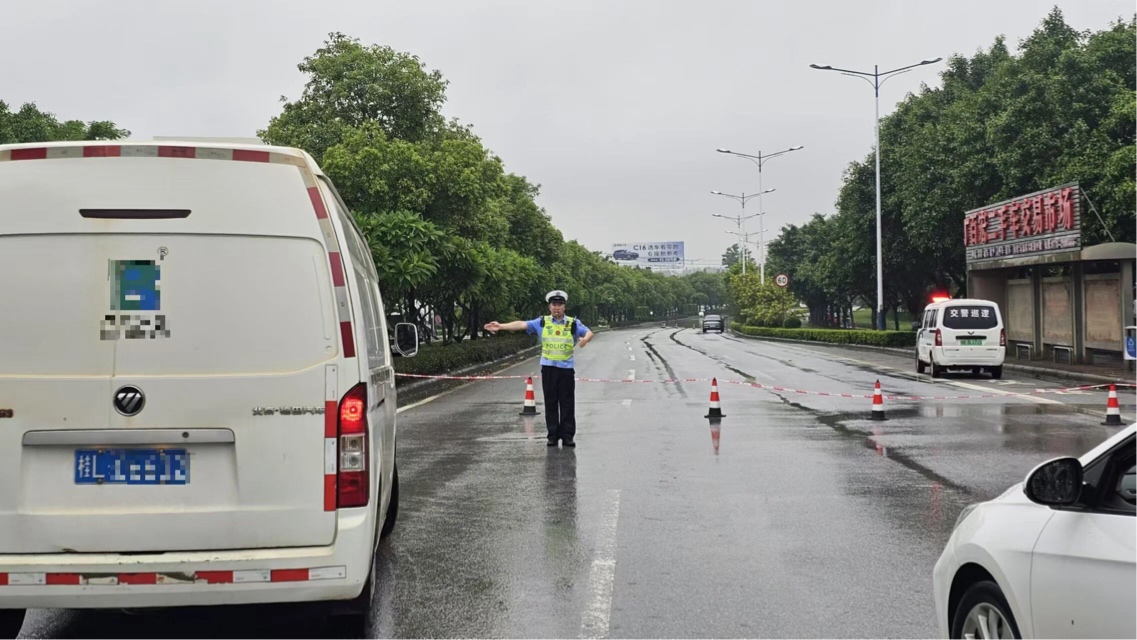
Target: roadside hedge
437 359
833 336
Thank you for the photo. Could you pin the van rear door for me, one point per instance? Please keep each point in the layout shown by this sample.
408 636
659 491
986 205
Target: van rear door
971 327
172 356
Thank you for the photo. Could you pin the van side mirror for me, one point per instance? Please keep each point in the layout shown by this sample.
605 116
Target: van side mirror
1056 483
916 324
406 339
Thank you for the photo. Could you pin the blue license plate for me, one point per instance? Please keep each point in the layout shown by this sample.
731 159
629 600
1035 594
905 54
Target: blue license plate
131 466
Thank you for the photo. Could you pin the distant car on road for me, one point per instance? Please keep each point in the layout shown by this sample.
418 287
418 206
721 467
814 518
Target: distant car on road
624 254
1053 557
713 323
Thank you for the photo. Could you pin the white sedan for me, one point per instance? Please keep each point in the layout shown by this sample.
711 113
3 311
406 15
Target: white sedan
1053 557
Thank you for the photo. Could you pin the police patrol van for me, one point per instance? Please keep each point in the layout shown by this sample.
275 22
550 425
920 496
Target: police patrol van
961 334
197 401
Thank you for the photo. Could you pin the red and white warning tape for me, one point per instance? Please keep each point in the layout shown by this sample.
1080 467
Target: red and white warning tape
198 577
756 385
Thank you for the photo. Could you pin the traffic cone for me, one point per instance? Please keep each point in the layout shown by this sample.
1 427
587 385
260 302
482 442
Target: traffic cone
530 408
716 410
1112 409
877 404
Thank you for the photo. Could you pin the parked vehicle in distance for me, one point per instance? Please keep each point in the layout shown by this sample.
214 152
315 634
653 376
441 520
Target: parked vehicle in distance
961 334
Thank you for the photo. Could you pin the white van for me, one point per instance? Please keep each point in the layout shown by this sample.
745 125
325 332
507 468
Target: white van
961 334
197 401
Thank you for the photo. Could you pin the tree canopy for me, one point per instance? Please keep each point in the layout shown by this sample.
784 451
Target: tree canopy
29 124
1060 110
454 234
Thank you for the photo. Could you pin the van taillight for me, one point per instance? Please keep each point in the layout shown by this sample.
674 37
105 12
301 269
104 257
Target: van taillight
939 338
352 482
1002 337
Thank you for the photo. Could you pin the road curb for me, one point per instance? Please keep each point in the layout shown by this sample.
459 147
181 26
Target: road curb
416 391
1037 372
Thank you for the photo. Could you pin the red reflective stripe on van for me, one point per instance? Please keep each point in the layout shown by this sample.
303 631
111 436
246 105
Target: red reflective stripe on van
106 151
177 152
138 578
337 268
63 578
244 155
3 579
289 575
331 412
38 153
330 492
215 577
348 340
317 202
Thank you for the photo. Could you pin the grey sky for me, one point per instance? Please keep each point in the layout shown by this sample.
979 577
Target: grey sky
615 108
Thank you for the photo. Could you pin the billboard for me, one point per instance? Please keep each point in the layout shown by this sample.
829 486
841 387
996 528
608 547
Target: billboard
1036 224
657 256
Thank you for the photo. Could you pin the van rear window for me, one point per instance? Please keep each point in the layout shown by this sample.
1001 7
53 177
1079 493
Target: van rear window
970 317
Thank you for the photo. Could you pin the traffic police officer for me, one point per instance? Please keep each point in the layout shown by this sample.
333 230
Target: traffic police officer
559 335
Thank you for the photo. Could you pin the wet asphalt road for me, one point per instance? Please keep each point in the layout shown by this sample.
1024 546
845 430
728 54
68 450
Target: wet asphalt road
794 517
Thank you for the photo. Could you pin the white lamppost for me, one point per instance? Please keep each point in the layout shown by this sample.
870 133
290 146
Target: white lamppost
741 219
760 160
878 79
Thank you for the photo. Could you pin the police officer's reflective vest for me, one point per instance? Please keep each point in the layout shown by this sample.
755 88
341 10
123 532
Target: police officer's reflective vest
557 339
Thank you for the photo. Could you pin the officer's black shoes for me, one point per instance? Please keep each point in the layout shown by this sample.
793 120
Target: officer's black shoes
568 443
552 442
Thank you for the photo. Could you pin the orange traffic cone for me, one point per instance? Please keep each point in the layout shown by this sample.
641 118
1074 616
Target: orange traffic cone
877 404
716 410
530 408
1112 409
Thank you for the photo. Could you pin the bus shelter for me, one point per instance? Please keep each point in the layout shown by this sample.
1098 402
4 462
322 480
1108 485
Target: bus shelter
1060 300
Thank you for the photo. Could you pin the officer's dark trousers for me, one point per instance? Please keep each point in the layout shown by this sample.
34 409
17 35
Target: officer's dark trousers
559 386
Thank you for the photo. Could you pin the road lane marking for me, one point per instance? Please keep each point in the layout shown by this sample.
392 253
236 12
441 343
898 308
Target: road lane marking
595 621
975 387
916 377
633 358
425 401
631 374
627 402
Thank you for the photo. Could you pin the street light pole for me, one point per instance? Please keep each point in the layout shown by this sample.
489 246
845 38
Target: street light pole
742 218
878 79
761 160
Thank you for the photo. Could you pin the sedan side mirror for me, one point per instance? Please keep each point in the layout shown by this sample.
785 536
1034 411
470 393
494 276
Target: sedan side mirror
1056 483
406 339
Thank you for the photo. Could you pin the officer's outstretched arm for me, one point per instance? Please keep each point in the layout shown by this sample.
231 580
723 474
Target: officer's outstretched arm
516 325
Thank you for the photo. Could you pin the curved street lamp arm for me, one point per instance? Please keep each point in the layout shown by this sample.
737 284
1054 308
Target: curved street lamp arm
893 76
871 83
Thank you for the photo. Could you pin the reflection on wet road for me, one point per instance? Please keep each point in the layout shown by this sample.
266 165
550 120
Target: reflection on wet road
795 515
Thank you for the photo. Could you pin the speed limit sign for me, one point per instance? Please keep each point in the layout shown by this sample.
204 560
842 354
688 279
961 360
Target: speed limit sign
782 280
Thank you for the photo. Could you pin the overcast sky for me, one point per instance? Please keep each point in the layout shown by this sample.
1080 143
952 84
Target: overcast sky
615 108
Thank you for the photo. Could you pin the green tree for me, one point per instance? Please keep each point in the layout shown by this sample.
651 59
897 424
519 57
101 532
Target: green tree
453 233
29 124
1000 125
350 86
